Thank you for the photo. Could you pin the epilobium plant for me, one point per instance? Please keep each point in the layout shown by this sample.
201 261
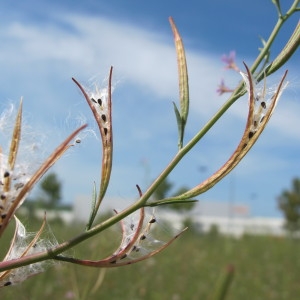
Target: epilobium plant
28 253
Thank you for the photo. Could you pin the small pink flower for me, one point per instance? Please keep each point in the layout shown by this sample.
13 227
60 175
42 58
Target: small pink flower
229 60
222 88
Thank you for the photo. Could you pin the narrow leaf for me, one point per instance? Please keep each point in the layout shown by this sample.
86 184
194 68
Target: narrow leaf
168 202
183 81
180 125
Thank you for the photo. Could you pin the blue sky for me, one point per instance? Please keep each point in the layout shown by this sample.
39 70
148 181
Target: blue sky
45 43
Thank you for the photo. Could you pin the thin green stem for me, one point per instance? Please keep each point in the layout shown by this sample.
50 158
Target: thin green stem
272 36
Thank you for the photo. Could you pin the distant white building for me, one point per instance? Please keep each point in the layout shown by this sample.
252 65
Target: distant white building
230 218
240 226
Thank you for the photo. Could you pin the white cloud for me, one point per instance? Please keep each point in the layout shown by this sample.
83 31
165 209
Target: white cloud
143 58
41 56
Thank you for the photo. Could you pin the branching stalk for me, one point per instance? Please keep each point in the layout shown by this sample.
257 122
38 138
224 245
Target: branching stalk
57 251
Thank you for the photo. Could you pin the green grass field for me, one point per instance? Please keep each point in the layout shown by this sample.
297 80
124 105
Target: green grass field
265 268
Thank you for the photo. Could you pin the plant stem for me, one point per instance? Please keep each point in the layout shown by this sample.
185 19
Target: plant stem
238 92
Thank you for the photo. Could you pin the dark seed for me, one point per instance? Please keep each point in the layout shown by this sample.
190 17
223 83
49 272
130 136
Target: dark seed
250 135
124 256
263 104
3 216
93 100
143 237
2 196
262 119
103 117
7 283
100 101
105 131
113 262
153 220
6 174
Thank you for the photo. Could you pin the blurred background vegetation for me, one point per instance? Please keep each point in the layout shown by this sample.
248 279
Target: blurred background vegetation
265 268
259 267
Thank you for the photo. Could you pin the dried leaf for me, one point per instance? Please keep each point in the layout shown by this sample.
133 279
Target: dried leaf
103 115
258 116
